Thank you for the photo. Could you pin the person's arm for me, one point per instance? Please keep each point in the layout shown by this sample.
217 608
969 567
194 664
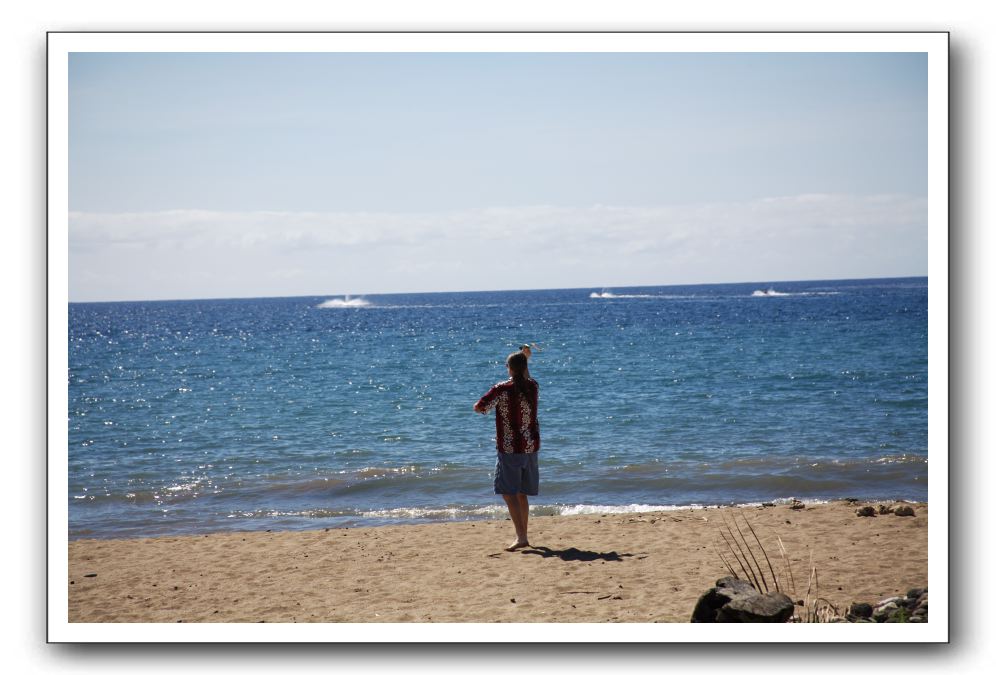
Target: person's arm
488 401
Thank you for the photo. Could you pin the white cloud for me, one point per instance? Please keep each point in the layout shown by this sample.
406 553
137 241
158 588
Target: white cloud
279 253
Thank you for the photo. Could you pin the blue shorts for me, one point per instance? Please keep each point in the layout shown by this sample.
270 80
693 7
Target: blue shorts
517 473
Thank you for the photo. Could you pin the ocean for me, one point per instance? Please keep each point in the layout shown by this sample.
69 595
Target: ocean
301 413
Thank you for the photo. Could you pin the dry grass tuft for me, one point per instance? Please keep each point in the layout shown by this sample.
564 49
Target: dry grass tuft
745 552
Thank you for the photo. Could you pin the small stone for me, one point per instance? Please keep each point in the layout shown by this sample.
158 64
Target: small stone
851 500
905 511
513 600
767 503
914 593
72 582
866 512
884 510
861 610
899 616
894 600
884 612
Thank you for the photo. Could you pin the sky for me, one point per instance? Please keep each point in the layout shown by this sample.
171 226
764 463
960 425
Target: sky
195 175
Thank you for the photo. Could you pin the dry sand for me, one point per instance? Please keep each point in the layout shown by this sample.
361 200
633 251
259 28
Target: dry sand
647 567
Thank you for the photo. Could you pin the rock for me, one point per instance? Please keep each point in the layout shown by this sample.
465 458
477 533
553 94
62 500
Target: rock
884 510
735 600
851 500
860 610
768 608
899 616
905 511
882 613
866 511
915 593
725 590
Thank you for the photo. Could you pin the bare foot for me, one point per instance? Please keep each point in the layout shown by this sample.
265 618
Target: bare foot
515 545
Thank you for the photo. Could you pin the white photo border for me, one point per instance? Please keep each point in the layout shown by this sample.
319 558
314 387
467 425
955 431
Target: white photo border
62 44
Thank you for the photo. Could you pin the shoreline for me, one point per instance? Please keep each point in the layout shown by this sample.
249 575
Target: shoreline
647 566
480 513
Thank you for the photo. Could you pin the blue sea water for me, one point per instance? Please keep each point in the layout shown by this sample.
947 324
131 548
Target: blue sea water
309 412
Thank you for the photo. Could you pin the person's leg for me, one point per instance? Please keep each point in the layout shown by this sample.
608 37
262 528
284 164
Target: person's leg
523 500
515 512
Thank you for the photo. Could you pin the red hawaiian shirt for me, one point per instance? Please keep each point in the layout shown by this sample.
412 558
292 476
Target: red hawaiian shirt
516 423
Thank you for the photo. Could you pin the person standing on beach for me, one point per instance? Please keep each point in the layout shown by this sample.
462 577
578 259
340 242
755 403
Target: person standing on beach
516 404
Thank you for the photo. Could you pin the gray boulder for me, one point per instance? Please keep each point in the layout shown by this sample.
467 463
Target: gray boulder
725 590
904 511
734 600
768 608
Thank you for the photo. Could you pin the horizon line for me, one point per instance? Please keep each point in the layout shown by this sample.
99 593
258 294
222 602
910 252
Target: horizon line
500 290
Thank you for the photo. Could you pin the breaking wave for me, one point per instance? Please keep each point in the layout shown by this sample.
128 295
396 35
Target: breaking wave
609 295
338 303
772 293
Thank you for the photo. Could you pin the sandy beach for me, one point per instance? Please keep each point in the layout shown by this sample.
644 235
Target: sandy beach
646 567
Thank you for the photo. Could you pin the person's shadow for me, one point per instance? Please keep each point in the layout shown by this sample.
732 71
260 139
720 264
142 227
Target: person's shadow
572 554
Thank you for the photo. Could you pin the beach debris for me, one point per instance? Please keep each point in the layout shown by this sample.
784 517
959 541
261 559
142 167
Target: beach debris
911 608
866 512
767 503
92 574
905 511
734 600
